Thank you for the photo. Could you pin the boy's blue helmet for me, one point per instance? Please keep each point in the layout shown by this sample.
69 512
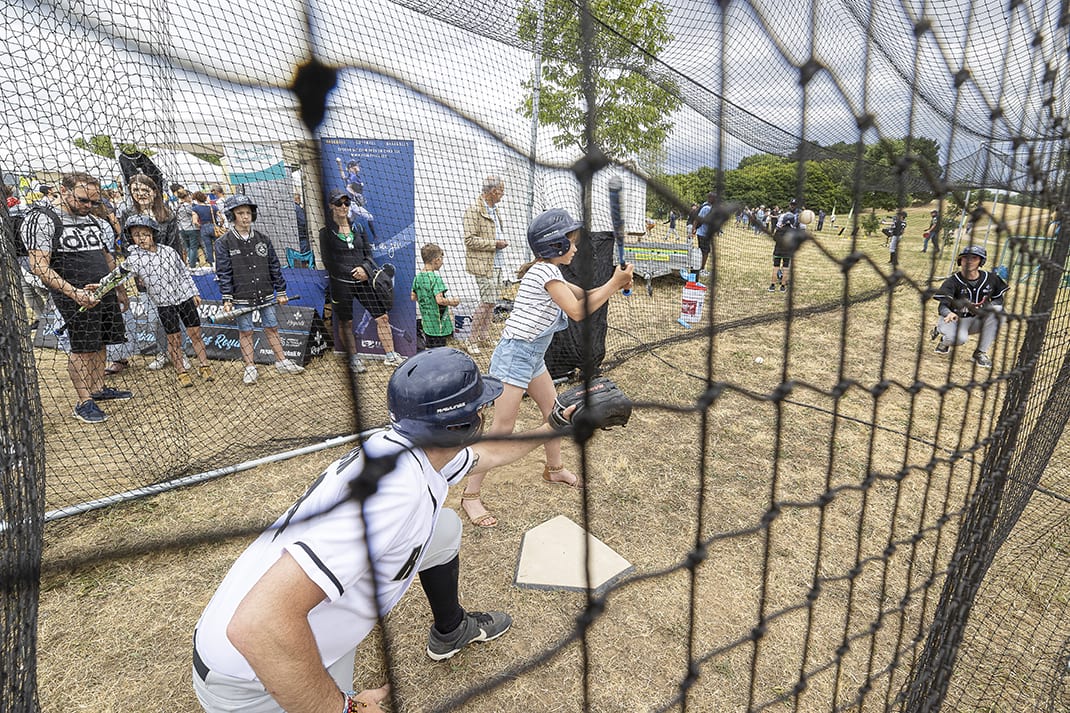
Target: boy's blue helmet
548 233
435 398
141 220
977 250
236 201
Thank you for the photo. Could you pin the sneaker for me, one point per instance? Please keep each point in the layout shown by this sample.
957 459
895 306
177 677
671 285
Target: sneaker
110 394
981 359
704 273
783 288
472 348
934 333
249 377
206 373
89 412
158 363
184 381
288 367
942 348
476 626
772 287
185 362
356 364
394 359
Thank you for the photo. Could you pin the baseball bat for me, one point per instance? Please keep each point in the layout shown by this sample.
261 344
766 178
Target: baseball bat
616 216
108 283
216 319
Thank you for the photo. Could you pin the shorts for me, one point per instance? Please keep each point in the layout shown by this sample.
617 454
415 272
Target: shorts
518 362
267 319
490 288
781 261
171 315
92 330
430 342
343 294
704 241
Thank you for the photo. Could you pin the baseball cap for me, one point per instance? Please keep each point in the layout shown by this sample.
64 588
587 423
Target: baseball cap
336 195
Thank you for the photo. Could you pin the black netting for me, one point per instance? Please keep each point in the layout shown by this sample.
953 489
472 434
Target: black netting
897 516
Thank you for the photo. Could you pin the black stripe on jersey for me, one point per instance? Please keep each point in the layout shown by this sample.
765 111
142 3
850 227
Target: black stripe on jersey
322 567
470 461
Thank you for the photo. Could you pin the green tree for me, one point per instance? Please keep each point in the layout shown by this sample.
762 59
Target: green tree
101 144
632 111
870 223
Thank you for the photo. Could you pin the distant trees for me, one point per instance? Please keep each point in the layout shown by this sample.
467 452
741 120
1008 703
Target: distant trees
828 178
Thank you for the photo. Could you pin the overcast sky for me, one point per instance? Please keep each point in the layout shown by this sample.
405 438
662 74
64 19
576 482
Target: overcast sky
84 68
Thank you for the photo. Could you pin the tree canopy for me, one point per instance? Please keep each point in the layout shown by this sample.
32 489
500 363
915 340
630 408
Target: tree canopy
828 182
632 110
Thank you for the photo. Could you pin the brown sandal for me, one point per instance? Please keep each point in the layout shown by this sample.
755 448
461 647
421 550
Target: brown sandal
116 367
484 520
548 469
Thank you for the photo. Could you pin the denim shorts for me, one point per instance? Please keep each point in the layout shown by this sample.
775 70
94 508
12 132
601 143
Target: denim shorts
267 319
517 362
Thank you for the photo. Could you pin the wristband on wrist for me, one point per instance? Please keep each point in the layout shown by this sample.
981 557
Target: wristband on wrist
352 705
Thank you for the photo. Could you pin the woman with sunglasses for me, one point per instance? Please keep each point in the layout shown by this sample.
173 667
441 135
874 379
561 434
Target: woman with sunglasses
347 255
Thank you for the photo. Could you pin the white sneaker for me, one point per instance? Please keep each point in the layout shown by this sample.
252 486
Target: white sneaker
356 365
185 362
394 359
288 367
159 362
472 348
249 377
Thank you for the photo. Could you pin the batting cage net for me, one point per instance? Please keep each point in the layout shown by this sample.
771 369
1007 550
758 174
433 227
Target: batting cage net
847 336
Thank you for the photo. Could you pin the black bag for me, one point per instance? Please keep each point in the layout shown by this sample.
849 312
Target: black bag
382 281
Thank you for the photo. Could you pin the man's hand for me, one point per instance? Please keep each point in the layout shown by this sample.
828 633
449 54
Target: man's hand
501 244
359 274
124 299
85 297
369 699
228 306
951 317
196 300
282 300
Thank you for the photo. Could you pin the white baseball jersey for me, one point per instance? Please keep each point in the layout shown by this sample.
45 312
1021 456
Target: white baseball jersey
323 532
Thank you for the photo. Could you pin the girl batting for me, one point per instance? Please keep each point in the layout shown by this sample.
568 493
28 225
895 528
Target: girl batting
544 303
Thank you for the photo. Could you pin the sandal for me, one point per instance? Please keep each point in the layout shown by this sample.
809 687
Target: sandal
116 367
484 520
548 470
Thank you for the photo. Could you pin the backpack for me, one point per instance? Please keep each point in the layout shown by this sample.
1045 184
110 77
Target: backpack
18 217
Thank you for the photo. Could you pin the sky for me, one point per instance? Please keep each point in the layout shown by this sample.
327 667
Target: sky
156 72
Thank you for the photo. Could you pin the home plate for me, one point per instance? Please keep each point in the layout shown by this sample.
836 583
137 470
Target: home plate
552 556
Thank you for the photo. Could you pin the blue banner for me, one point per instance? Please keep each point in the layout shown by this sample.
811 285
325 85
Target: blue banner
382 173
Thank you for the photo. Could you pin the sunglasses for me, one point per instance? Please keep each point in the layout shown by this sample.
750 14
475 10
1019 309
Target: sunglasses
341 202
87 201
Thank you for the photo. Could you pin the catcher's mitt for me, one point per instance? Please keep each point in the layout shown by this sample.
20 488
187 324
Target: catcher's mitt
601 404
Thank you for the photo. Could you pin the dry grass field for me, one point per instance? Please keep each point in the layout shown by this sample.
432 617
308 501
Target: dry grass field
817 465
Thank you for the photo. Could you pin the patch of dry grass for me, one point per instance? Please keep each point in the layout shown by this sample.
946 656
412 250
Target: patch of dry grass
814 489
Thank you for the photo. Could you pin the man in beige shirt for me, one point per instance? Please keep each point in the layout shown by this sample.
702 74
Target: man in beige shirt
483 242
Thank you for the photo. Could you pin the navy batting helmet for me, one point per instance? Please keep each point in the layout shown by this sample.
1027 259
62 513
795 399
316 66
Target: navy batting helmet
237 201
435 398
143 221
548 233
973 250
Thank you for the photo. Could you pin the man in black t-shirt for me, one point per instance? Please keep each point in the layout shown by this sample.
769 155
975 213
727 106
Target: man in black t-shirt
68 250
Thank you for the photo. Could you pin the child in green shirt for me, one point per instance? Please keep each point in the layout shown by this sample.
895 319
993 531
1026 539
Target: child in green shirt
429 292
